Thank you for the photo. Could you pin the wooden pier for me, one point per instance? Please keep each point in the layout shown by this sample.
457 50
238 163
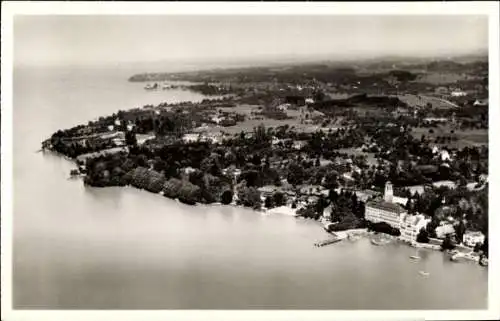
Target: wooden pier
327 242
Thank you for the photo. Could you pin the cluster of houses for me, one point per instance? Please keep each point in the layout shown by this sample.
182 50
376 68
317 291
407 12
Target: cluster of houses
224 118
215 137
445 92
97 140
389 211
453 92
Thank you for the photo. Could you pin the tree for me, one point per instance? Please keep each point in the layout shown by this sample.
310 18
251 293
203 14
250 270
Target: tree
459 231
383 227
159 164
196 178
422 236
319 96
130 138
227 197
484 247
309 211
250 197
279 199
447 243
431 227
260 134
268 202
331 180
296 174
256 160
189 193
321 204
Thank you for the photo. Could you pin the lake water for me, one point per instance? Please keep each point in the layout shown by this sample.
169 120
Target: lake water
121 248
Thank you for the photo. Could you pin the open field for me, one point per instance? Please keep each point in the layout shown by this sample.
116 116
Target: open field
249 124
421 101
370 157
470 138
442 78
338 95
240 109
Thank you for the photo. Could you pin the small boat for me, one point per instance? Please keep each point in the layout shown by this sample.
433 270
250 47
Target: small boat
415 257
354 237
151 86
456 256
423 273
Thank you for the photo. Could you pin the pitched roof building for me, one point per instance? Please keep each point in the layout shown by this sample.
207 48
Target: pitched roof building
472 238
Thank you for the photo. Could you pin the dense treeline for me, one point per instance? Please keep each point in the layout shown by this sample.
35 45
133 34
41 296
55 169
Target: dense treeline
262 163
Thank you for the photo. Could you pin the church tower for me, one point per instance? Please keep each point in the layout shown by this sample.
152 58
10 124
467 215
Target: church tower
388 192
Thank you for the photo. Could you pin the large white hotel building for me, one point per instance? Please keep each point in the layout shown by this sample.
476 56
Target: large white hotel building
385 211
395 215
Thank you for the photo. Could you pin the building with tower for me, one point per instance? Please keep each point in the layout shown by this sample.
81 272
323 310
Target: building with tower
388 193
385 210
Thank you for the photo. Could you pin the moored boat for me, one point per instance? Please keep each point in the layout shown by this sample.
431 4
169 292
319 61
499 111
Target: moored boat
151 86
353 237
456 256
415 256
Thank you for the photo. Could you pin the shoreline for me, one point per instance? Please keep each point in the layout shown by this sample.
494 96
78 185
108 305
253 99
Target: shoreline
281 210
345 235
350 234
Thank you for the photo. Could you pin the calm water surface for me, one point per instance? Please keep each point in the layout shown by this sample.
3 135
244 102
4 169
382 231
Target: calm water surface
117 248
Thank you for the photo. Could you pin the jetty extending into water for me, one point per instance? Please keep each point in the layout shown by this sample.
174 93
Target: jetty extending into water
327 242
336 237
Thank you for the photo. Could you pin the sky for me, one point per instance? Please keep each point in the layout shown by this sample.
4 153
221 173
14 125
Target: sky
99 39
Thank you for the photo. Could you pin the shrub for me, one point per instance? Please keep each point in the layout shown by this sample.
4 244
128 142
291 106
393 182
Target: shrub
447 243
227 197
189 193
172 187
279 199
268 203
348 222
383 227
250 197
423 236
